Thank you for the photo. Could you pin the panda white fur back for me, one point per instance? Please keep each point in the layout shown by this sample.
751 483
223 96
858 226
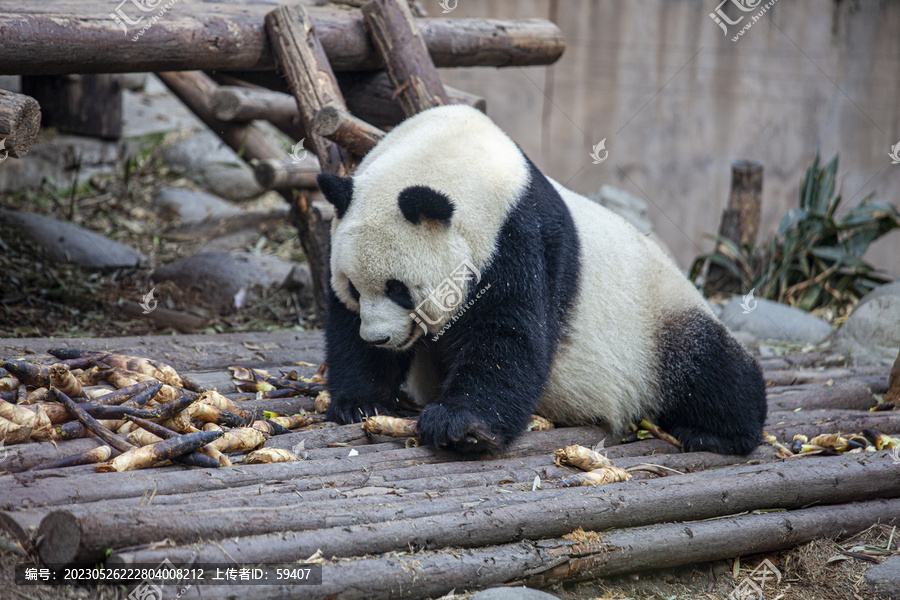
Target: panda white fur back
585 319
616 315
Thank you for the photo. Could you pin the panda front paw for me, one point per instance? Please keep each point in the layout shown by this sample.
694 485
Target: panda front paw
345 410
458 429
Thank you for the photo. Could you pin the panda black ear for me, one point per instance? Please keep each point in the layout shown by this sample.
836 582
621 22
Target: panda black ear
337 190
418 202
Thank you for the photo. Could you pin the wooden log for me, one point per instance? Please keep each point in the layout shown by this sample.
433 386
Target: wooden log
893 393
740 219
89 531
818 359
22 525
175 482
369 96
23 457
839 420
89 105
241 104
195 89
90 457
280 174
286 492
435 574
48 39
845 394
20 121
393 30
301 58
689 497
802 376
346 131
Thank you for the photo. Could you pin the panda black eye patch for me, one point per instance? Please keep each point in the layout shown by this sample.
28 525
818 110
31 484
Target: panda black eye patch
399 293
353 291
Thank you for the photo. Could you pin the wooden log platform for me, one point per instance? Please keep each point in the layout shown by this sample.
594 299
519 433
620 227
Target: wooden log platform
376 507
67 37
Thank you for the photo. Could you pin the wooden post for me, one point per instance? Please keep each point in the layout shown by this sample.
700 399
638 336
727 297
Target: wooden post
20 121
396 36
346 131
88 105
302 60
740 219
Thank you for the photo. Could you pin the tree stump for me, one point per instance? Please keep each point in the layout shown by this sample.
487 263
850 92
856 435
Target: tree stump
89 105
20 121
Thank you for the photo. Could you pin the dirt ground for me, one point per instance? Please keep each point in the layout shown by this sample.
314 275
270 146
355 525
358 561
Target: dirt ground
42 298
817 571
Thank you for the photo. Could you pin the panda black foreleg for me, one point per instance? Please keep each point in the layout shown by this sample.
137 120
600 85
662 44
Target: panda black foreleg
713 395
494 382
363 379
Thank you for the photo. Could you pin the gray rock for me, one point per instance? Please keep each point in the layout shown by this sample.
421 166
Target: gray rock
888 289
65 242
219 277
206 159
59 159
134 82
884 579
10 83
155 110
233 181
872 333
512 593
189 206
191 153
628 205
231 242
775 321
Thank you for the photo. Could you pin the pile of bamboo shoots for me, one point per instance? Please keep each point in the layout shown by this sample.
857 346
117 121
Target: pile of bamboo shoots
143 410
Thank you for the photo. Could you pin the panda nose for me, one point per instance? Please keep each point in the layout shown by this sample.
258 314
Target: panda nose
380 342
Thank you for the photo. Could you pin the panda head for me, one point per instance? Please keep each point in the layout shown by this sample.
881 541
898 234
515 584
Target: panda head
431 196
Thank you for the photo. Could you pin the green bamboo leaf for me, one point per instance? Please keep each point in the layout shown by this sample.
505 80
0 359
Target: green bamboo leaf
791 218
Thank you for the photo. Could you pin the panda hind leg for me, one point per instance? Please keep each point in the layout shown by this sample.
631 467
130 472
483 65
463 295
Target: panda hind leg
713 394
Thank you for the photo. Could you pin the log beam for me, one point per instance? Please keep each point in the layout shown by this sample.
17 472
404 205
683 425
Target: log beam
275 174
196 89
56 38
20 121
689 497
346 131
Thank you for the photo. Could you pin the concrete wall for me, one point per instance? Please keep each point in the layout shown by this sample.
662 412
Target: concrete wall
678 101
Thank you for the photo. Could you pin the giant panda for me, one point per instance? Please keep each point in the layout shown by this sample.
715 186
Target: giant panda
494 292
